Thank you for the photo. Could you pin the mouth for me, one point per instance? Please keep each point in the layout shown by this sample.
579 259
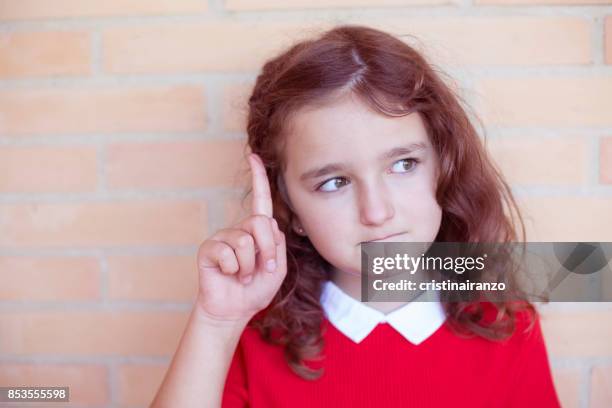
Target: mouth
385 238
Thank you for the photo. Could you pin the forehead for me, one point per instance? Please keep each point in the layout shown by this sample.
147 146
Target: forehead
348 128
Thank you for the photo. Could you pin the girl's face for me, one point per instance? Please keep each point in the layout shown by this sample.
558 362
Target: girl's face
355 175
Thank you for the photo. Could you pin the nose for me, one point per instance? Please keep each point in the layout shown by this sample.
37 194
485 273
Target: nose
375 204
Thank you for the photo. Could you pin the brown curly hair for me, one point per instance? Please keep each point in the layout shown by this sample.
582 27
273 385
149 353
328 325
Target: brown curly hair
395 79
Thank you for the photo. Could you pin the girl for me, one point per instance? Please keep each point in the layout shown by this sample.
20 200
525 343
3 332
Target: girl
355 138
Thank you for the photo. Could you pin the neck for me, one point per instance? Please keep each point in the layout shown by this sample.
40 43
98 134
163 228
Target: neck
351 285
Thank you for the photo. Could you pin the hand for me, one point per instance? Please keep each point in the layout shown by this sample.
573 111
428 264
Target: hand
234 283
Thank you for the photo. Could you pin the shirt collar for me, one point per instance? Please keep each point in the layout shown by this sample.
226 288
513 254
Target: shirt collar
415 321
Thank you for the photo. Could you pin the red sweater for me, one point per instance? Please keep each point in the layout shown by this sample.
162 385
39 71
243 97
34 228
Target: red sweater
385 370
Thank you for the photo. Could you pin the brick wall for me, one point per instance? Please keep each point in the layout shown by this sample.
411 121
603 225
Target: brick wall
121 137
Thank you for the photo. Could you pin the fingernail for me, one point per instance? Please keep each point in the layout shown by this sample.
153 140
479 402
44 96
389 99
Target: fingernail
271 265
247 279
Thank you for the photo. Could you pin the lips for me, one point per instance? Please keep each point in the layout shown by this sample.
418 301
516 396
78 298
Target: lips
385 237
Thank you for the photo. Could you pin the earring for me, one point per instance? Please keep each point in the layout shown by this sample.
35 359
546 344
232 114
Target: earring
300 230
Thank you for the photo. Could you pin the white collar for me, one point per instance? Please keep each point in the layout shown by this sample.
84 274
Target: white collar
416 321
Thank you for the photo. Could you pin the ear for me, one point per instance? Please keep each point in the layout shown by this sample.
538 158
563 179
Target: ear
297 227
282 188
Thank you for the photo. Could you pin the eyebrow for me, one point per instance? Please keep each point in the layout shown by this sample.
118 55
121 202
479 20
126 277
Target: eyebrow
334 167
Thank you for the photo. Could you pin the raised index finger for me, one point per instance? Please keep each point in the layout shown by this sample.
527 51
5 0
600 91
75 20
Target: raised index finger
262 197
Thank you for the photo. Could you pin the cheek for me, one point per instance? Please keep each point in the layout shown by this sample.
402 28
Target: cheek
324 224
422 211
334 240
319 215
432 218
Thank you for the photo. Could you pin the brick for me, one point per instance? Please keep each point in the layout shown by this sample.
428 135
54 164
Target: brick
567 218
466 41
578 333
47 169
567 384
130 109
44 53
86 225
601 394
170 278
236 106
543 2
43 9
608 40
605 160
88 382
138 384
235 210
532 160
49 278
250 5
547 101
174 165
192 47
154 333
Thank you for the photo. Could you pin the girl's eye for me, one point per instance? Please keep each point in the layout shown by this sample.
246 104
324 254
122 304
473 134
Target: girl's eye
413 163
333 182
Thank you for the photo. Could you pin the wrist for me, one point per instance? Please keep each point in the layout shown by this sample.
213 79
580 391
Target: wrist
208 320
